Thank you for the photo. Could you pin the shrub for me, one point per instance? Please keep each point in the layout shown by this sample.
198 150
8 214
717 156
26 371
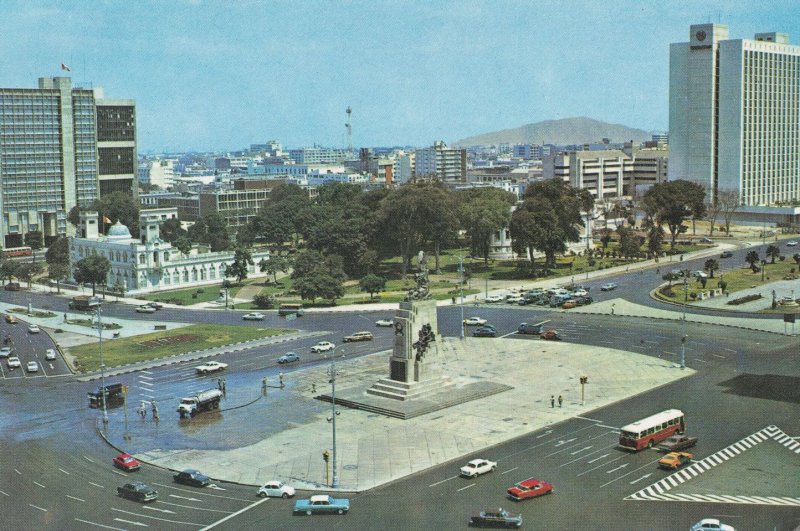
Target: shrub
747 298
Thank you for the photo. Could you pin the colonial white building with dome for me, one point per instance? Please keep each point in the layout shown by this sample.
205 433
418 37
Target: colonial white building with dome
148 263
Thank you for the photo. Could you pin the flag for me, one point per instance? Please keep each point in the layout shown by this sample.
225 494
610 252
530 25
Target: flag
65 67
106 220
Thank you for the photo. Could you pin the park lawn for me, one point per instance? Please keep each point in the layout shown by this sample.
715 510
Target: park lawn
184 296
164 344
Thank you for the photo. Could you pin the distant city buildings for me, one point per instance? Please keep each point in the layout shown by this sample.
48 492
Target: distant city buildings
440 162
60 146
734 117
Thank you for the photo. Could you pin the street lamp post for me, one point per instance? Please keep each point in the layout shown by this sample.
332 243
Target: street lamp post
102 365
461 289
335 482
683 325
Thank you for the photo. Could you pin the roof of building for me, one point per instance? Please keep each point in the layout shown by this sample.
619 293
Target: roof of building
118 231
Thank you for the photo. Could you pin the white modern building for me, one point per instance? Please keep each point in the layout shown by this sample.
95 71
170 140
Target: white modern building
734 115
148 263
441 162
157 172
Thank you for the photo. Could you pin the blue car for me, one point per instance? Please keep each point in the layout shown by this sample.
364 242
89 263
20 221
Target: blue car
321 504
485 331
289 357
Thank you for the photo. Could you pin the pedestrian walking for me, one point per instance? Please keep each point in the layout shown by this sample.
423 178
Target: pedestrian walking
313 388
280 379
560 400
219 384
552 401
155 409
224 385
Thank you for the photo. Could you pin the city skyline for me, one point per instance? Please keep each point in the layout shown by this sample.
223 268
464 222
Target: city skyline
220 76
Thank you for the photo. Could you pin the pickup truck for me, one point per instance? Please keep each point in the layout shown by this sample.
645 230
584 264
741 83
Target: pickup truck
322 503
495 518
210 366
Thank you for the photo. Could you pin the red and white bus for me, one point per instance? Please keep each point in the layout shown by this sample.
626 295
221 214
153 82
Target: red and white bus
651 430
8 252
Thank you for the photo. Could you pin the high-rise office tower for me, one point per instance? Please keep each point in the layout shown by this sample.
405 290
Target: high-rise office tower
60 146
734 114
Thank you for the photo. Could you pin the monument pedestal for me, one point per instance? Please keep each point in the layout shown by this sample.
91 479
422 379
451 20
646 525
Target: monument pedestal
396 390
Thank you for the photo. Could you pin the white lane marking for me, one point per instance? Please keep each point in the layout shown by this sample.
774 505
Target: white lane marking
64 471
37 507
581 450
96 485
131 522
237 513
183 497
598 466
151 508
559 443
701 361
88 459
618 468
718 356
548 432
467 487
155 517
641 478
4 493
442 481
74 498
18 472
193 507
511 470
586 418
99 525
37 483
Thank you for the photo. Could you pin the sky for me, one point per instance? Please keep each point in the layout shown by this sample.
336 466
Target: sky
221 75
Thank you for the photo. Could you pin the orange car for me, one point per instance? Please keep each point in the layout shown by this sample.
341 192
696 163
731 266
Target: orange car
569 304
675 460
10 319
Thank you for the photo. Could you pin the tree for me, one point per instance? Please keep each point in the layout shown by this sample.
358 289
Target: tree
27 270
58 271
605 239
264 302
58 252
34 240
629 242
241 259
372 284
752 258
713 208
671 203
93 269
773 251
711 265
655 236
316 276
274 265
118 206
8 269
796 258
183 244
171 230
670 277
211 230
483 212
729 203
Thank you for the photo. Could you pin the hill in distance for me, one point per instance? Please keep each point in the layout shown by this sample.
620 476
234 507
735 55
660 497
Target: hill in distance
580 130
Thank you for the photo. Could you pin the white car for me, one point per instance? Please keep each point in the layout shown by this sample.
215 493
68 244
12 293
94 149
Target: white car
494 298
791 244
711 524
50 354
34 329
145 309
5 352
32 366
699 274
255 316
580 292
13 362
323 346
476 467
210 366
384 322
516 299
276 489
474 321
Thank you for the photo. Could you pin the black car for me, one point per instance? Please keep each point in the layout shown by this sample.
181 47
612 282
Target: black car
485 331
137 491
495 518
726 254
193 478
583 301
156 305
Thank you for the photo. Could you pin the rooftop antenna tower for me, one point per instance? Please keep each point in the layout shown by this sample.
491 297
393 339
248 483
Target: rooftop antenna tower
349 126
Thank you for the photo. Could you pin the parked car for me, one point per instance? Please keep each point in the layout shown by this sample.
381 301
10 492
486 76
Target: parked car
676 442
530 488
726 254
495 518
699 274
580 292
10 319
13 286
322 503
323 346
193 478
608 286
675 460
583 301
276 489
358 336
494 298
569 304
384 322
5 352
32 366
476 467
515 299
474 321
34 329
156 305
791 244
14 363
126 462
137 491
706 240
145 309
253 316
485 331
532 329
289 357
551 335
50 354
711 524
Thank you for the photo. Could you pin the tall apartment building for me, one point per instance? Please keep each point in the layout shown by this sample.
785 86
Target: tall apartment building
734 114
319 155
441 162
157 172
60 146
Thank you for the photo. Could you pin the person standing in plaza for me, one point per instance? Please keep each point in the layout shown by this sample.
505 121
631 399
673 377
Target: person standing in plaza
560 400
552 401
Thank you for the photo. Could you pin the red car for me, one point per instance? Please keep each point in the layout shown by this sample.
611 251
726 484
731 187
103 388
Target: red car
530 488
126 462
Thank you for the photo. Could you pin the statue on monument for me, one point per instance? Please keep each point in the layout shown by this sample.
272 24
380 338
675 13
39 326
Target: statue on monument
426 337
422 291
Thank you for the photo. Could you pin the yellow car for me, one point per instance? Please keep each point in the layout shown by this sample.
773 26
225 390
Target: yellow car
675 460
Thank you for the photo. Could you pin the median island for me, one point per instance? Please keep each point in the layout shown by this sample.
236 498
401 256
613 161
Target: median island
116 352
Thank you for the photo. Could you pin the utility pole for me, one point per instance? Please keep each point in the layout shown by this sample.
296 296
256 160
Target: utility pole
102 365
461 289
683 325
335 482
